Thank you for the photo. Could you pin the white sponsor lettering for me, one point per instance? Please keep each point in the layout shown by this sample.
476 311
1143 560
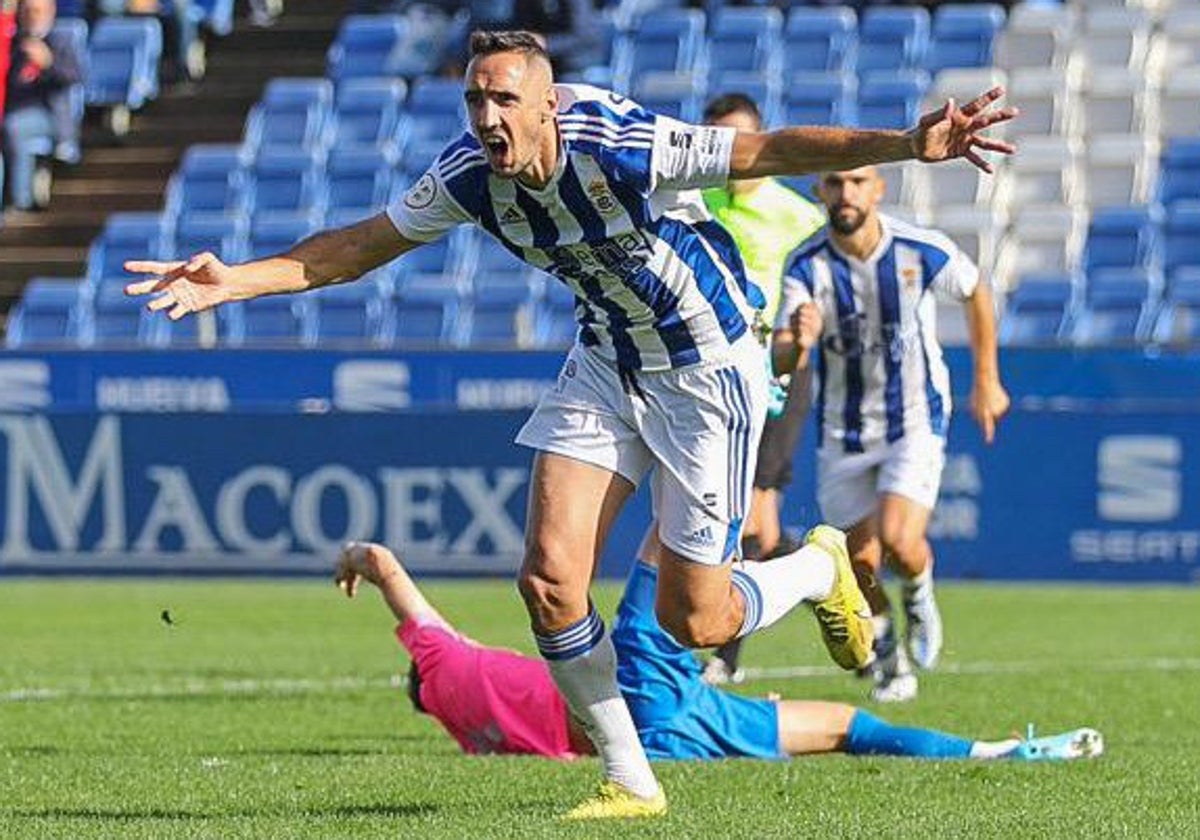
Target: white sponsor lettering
1133 546
24 385
162 393
500 393
1139 478
371 385
446 511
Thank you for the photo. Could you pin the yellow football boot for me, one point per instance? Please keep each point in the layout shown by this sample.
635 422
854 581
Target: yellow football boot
844 616
614 801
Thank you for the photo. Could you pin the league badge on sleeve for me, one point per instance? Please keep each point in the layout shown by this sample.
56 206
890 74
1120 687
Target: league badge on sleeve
422 193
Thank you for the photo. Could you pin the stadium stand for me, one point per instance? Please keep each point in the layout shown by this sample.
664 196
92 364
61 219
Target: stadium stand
1109 135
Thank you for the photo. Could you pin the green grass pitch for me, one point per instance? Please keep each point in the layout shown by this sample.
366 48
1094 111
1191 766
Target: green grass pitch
269 709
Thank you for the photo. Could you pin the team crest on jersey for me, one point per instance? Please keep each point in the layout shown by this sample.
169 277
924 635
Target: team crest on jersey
600 195
910 278
422 193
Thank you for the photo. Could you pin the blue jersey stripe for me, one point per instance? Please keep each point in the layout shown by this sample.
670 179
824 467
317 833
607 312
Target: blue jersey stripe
893 351
933 258
850 332
821 372
709 278
722 242
937 410
577 203
545 232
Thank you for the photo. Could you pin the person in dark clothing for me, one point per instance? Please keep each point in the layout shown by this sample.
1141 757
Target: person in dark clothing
38 119
570 28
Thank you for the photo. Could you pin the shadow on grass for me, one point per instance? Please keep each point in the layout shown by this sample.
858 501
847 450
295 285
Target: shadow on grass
398 811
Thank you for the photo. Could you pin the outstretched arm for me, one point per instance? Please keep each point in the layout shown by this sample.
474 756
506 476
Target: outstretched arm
989 400
332 256
947 133
378 565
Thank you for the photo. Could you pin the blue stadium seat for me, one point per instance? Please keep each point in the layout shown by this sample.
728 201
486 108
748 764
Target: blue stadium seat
891 100
348 313
1037 311
425 312
224 235
47 314
666 39
368 111
1178 321
1120 237
273 321
766 93
822 98
209 179
555 324
127 236
1116 307
820 39
366 46
123 61
185 333
494 323
293 113
964 35
678 95
1180 179
1182 236
892 38
358 177
436 116
273 233
75 31
441 258
117 320
286 180
746 39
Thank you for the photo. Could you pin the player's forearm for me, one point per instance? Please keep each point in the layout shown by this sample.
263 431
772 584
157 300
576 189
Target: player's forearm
335 256
787 356
798 150
981 329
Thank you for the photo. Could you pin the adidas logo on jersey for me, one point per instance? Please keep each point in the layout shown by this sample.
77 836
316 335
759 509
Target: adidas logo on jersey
702 536
511 215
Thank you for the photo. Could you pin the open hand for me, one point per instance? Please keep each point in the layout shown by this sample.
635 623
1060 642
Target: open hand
199 283
952 132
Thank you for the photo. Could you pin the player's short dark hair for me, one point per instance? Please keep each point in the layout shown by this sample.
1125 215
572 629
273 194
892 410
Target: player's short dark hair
732 103
414 687
515 40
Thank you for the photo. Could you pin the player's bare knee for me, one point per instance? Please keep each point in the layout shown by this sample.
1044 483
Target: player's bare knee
692 629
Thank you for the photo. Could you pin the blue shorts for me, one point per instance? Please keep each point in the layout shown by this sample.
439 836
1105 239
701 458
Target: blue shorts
716 724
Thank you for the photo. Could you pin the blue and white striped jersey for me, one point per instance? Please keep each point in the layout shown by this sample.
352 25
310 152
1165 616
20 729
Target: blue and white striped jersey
880 367
660 284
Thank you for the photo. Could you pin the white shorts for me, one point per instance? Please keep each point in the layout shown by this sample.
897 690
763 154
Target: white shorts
699 425
849 483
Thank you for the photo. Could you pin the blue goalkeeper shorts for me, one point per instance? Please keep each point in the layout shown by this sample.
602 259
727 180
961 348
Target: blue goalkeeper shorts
677 714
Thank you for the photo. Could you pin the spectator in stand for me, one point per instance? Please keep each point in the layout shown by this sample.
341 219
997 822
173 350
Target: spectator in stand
38 119
183 49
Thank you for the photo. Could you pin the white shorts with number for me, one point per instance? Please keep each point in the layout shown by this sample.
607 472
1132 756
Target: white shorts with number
698 425
849 483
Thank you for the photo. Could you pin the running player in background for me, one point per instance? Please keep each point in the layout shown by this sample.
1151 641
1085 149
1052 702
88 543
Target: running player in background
767 221
864 293
667 374
492 700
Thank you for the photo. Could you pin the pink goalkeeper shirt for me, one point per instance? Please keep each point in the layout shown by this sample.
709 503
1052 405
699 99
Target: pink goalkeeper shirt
489 700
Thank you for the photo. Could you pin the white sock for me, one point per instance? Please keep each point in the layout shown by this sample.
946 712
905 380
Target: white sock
916 588
771 588
993 749
587 680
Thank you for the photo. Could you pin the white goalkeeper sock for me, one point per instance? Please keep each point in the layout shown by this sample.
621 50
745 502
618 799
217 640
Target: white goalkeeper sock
770 588
584 666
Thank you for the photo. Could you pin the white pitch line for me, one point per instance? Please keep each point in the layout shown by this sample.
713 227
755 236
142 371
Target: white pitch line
291 687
